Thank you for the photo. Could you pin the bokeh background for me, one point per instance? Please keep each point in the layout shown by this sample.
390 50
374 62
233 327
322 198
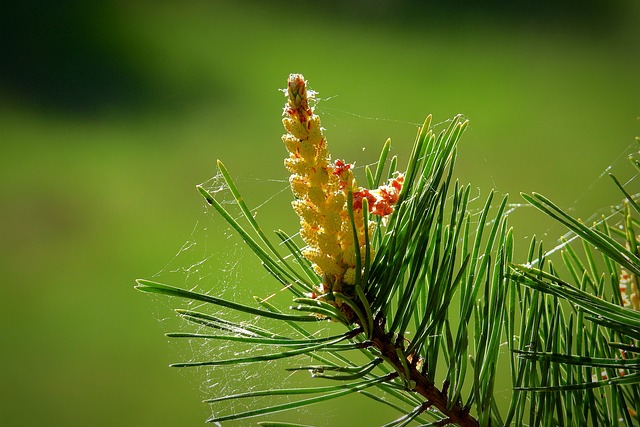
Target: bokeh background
111 112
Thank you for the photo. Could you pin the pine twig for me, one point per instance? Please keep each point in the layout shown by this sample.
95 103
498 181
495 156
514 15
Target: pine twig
435 397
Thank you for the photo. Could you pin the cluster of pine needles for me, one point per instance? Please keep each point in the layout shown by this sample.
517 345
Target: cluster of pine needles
441 310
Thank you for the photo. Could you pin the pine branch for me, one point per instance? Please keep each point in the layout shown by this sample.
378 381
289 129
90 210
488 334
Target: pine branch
591 364
388 263
361 244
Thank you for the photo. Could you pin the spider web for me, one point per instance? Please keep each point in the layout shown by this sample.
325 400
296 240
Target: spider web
214 260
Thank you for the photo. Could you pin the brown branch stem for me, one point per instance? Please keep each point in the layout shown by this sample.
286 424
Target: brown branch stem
424 386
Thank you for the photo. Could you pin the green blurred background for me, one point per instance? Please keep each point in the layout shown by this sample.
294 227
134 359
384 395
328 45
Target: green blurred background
111 112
